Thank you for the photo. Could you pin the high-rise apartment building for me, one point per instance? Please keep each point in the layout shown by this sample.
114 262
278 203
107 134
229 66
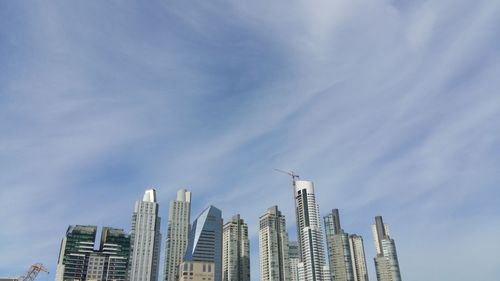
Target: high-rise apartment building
358 258
274 247
339 253
312 266
375 233
115 247
294 258
75 251
79 261
386 261
235 250
205 240
145 239
177 234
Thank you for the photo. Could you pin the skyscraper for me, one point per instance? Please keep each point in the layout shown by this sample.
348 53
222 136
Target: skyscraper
235 250
75 251
205 240
386 261
115 247
79 261
294 257
177 233
273 246
339 253
145 239
312 266
358 258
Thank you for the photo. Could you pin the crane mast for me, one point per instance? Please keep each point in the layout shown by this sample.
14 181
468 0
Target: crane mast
32 273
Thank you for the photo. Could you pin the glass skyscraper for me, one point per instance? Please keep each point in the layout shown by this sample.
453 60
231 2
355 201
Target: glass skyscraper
386 261
115 246
339 253
205 240
75 251
79 261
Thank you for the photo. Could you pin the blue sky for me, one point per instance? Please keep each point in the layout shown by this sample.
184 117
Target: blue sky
391 107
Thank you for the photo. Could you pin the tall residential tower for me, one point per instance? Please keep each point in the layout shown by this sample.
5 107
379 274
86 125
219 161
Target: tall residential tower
78 260
294 257
358 258
235 250
339 253
75 251
312 266
386 261
145 239
177 234
273 246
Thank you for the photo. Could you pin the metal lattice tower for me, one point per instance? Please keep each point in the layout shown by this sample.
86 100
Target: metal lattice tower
31 274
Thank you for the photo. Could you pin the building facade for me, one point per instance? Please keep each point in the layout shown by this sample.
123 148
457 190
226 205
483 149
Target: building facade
386 261
196 271
312 264
205 240
79 261
235 250
274 247
115 246
74 253
145 239
294 259
358 258
179 216
339 252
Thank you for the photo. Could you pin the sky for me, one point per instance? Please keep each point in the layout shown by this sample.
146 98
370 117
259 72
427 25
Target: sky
391 107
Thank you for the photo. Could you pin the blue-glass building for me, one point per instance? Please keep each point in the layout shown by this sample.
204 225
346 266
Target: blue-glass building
205 240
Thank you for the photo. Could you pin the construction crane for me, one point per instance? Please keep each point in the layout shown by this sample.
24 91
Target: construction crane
31 274
295 177
291 173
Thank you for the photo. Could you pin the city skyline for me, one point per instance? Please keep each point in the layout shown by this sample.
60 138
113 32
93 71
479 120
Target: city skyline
232 247
390 107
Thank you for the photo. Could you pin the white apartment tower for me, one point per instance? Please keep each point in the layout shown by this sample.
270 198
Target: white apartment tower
312 266
273 246
358 258
178 229
235 250
145 239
